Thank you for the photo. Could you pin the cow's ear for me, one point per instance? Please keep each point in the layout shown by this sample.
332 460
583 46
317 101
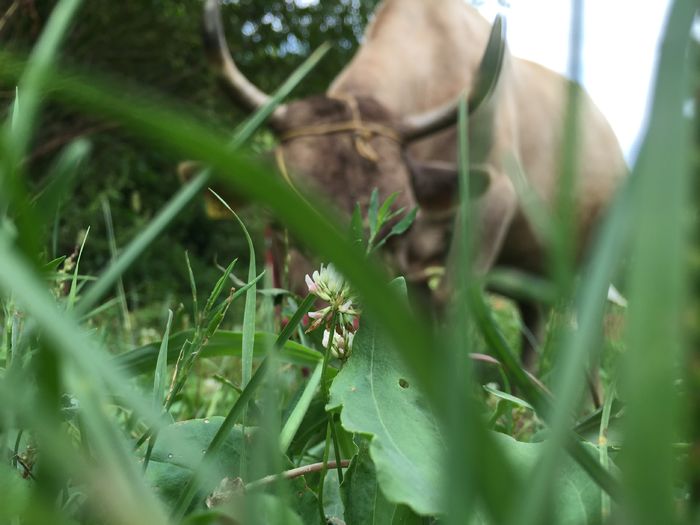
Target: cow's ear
436 183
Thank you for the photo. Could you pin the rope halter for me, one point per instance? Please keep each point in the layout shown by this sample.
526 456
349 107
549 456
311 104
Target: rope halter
363 132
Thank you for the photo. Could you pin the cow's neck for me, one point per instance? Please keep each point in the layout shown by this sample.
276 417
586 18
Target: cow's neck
416 54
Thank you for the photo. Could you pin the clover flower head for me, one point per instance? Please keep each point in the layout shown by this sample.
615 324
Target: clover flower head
341 345
328 284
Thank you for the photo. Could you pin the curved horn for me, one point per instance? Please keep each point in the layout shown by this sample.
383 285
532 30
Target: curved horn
243 90
418 126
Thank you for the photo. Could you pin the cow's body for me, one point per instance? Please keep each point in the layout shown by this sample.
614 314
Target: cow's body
418 55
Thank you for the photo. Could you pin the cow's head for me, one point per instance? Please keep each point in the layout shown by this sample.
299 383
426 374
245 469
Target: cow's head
343 146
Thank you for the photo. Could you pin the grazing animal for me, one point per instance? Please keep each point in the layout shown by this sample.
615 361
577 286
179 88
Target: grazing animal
388 121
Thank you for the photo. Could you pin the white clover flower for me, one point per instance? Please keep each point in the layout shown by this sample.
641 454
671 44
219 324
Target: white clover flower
329 285
342 343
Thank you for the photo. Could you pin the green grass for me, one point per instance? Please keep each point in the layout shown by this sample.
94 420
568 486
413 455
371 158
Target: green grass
105 419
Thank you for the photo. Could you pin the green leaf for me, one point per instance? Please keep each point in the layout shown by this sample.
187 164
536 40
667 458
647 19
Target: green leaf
577 499
380 398
364 502
161 372
16 494
332 499
218 288
253 508
179 450
221 343
384 214
372 212
357 233
508 397
400 227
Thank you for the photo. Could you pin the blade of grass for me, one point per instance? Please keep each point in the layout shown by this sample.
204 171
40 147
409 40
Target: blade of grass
604 457
470 449
121 293
293 422
160 382
563 250
250 304
590 307
166 215
223 343
73 293
17 131
657 287
160 375
249 312
221 282
193 289
61 178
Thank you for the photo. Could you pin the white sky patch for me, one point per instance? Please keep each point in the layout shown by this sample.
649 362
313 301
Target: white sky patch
620 48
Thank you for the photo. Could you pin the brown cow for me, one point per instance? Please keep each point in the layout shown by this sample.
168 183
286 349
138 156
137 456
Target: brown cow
388 121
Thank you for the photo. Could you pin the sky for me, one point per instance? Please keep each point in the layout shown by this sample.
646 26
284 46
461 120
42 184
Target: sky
620 47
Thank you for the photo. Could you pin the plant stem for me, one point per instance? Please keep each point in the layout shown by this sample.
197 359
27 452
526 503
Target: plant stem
336 448
324 470
296 473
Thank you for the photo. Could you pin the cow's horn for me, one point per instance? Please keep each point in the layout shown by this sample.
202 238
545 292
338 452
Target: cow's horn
420 125
243 90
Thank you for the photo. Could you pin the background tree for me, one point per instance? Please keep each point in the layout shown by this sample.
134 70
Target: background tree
157 44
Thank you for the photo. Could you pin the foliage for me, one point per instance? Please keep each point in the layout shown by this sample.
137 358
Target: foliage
396 428
158 44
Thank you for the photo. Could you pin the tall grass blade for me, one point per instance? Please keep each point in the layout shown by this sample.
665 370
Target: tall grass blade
250 304
160 384
471 450
141 243
296 416
121 293
73 293
17 131
658 277
61 178
160 376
